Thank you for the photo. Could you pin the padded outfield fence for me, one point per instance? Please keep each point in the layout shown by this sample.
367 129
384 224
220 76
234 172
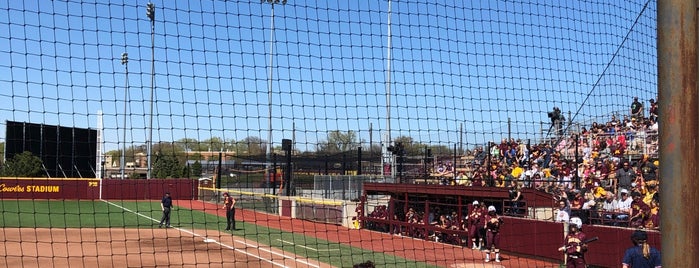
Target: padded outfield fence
290 106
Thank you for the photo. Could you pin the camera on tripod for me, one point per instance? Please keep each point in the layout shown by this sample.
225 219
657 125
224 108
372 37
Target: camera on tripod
556 115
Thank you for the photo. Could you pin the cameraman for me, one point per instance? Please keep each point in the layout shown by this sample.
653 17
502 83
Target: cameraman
557 120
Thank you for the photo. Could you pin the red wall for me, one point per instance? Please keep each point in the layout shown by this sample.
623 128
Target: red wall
613 242
542 238
43 188
180 189
532 237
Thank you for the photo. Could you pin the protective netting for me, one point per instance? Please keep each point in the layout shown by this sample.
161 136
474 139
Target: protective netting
106 105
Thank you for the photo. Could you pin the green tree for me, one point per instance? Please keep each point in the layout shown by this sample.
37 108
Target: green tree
196 169
339 141
167 166
2 153
251 146
23 165
412 148
214 144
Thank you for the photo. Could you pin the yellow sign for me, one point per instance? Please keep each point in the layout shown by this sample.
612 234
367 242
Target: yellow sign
30 189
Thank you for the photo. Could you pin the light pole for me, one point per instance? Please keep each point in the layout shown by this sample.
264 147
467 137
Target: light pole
125 62
150 12
388 156
268 151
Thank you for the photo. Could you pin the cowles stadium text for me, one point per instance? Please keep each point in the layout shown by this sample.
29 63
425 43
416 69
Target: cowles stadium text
30 189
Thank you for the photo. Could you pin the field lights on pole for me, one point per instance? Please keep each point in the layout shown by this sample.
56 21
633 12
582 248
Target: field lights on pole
125 62
150 12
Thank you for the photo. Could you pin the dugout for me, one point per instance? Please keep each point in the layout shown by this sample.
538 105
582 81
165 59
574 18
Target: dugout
532 235
384 206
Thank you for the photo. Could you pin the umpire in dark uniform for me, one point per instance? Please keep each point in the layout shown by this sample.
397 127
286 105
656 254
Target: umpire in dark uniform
166 206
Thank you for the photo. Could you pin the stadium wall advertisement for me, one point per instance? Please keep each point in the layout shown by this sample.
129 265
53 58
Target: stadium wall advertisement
78 188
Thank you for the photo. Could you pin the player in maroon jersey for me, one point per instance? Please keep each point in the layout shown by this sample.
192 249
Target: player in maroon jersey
493 222
574 245
475 220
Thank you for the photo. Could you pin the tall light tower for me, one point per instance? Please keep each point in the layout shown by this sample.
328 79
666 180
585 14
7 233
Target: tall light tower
150 12
268 151
386 155
125 62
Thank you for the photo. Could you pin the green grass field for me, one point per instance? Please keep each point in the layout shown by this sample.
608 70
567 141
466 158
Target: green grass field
146 214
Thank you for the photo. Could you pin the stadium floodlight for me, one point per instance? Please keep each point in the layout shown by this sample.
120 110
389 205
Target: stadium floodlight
268 151
150 12
125 62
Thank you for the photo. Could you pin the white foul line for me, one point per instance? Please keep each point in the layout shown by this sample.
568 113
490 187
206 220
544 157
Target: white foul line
224 245
306 247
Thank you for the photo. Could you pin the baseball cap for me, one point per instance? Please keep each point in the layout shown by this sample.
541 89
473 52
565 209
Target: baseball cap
639 235
624 191
491 208
475 202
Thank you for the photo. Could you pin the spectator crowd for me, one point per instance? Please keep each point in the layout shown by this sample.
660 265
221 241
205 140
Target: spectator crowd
605 173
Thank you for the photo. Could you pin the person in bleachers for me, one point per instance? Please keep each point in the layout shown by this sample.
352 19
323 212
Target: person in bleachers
653 220
636 109
653 111
624 204
649 191
639 210
610 206
624 176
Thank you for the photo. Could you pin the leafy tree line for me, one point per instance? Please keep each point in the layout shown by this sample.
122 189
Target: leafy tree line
22 165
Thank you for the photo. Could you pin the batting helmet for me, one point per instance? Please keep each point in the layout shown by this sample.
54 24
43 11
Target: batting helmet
577 222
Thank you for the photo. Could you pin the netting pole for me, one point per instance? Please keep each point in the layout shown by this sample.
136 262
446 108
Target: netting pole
575 155
679 99
218 171
359 160
388 76
286 146
453 172
273 180
509 129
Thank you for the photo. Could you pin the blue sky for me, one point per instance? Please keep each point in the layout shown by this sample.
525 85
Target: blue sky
474 64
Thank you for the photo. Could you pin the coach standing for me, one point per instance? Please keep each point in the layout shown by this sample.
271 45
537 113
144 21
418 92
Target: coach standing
229 206
641 255
166 206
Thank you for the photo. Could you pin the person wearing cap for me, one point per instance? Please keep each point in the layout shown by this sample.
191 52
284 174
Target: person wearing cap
229 206
641 255
636 109
165 206
493 222
653 111
624 205
574 245
475 220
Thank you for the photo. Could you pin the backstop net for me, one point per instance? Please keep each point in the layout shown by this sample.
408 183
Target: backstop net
291 106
